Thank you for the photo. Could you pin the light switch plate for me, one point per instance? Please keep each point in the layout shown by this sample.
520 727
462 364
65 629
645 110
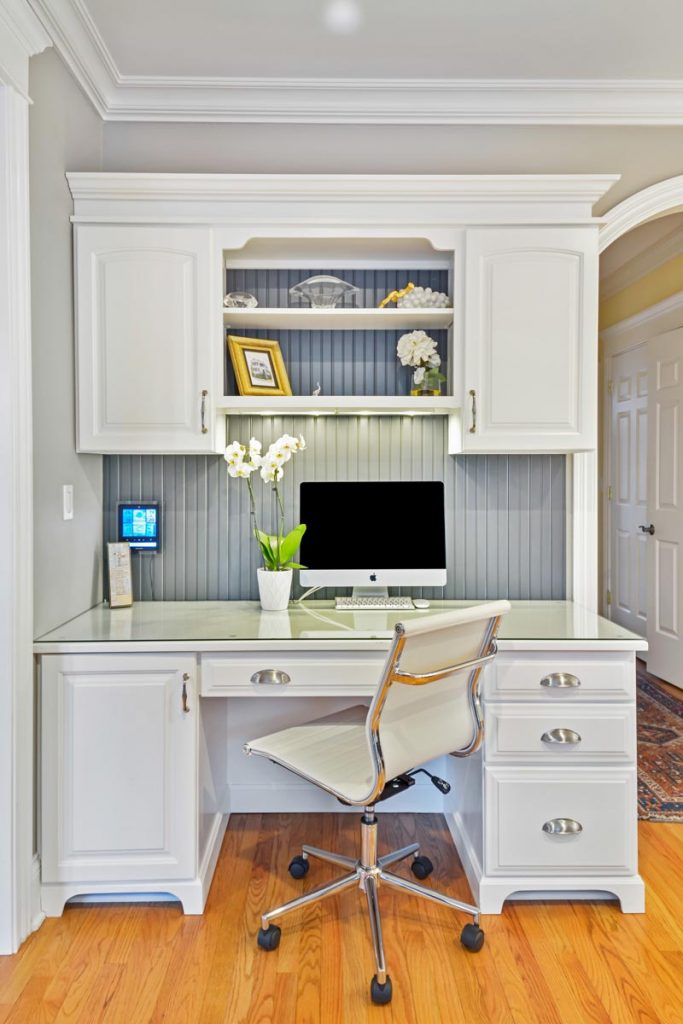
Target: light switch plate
68 501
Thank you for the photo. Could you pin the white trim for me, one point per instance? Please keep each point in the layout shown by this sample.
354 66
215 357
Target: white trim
16 504
584 512
663 316
650 259
262 100
37 915
664 197
21 36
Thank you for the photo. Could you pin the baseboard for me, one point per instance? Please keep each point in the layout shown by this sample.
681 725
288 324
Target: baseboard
37 915
466 851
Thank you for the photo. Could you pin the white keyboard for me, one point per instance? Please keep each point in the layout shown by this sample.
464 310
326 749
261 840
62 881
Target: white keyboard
379 604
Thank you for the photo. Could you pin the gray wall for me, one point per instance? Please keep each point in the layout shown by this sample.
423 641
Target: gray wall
65 133
505 514
641 155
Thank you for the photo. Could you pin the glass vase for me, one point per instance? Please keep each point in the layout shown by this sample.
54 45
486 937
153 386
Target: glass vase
428 384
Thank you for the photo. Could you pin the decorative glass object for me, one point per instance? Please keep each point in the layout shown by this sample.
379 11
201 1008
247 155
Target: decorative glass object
240 300
422 298
426 382
323 291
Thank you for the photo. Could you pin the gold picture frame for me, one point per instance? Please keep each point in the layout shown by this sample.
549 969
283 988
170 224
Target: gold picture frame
259 366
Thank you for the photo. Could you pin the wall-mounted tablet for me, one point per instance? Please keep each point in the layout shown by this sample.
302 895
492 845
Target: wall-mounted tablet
140 524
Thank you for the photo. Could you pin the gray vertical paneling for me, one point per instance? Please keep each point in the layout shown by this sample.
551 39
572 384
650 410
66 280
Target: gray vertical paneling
505 514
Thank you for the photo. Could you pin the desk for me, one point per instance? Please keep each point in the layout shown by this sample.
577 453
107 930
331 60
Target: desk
145 711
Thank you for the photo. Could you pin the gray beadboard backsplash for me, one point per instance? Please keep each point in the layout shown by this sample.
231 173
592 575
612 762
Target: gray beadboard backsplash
505 514
342 362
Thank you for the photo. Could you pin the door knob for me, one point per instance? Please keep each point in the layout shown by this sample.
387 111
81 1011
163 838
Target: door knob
647 529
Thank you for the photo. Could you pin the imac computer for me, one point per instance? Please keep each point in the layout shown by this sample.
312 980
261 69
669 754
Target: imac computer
371 536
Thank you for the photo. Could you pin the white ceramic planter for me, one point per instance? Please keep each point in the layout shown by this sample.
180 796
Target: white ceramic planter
274 589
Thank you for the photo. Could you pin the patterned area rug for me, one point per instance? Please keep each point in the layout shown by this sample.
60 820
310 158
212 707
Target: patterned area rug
660 753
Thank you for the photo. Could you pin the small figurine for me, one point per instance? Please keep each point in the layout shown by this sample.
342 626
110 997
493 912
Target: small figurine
396 295
316 390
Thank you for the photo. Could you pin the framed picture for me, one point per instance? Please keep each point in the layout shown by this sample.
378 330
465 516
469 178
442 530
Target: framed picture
259 367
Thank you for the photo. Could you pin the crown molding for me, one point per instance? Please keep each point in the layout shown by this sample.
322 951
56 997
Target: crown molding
119 97
663 316
21 38
650 259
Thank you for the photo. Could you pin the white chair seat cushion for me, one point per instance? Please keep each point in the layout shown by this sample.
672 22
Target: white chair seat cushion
332 752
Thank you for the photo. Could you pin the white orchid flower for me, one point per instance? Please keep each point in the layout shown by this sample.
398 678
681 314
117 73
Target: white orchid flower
241 471
234 453
271 471
419 375
301 444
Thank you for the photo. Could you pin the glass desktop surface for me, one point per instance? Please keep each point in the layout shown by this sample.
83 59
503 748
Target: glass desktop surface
196 622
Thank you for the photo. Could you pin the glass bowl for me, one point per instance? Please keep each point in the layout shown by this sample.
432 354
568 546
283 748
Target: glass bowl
240 300
323 292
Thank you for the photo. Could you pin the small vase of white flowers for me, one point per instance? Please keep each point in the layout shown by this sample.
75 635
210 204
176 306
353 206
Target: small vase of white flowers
277 549
418 350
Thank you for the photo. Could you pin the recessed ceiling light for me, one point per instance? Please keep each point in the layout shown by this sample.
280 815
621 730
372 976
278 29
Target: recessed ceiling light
343 17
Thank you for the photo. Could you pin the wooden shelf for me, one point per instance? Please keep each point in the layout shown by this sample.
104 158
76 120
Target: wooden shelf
306 319
338 405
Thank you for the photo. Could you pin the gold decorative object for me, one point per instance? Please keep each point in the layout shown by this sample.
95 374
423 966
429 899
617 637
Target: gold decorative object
396 295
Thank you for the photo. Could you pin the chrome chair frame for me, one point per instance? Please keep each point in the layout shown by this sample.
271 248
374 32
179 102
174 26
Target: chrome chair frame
369 871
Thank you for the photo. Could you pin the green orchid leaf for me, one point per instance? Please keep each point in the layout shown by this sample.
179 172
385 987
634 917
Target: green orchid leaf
294 565
290 544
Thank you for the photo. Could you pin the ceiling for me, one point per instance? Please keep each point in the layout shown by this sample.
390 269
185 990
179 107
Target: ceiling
395 38
375 61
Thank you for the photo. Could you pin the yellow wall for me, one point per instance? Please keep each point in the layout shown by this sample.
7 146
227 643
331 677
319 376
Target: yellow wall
660 284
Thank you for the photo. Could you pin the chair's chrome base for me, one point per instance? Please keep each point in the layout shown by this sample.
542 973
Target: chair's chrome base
368 872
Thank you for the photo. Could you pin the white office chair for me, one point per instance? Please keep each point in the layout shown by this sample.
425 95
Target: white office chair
426 705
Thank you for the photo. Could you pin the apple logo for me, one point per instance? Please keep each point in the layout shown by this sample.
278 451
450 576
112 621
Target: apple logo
373 577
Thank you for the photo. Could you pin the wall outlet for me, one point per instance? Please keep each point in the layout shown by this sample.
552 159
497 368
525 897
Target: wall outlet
68 501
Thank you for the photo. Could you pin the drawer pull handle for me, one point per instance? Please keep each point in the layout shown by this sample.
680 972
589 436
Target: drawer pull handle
561 736
271 676
560 681
562 827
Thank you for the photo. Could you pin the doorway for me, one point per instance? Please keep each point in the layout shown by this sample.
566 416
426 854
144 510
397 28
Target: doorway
642 447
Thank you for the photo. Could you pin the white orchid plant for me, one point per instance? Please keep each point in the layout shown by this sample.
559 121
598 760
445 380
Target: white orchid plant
418 350
243 461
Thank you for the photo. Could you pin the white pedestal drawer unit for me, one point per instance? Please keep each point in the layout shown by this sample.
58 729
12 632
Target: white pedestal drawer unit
558 808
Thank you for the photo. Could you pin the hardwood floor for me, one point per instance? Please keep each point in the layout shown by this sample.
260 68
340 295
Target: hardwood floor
559 963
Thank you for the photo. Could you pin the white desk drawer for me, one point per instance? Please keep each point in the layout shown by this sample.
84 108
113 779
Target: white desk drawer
561 677
354 673
564 735
601 801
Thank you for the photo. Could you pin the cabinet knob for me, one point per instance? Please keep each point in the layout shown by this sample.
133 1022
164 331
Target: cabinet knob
271 676
560 681
561 737
562 827
186 706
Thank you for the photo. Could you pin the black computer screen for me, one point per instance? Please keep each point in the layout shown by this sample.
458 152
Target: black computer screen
378 525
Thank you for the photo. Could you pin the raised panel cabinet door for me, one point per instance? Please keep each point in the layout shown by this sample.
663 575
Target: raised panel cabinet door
145 334
119 743
530 345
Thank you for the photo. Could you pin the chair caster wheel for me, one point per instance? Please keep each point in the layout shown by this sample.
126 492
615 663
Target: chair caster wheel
380 994
472 937
269 938
422 867
298 867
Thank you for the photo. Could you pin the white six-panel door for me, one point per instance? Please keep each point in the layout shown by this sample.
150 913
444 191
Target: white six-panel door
628 485
665 456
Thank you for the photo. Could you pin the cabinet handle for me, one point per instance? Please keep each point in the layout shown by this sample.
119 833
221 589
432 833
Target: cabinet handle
205 429
186 706
560 681
561 736
562 827
473 396
270 676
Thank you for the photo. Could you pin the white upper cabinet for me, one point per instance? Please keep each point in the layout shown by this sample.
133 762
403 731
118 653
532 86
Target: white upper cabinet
145 342
530 339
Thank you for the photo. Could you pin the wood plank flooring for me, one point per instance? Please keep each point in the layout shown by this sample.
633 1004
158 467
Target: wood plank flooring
560 963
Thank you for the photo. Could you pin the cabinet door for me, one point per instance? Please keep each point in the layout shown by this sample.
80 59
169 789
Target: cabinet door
145 334
530 339
118 768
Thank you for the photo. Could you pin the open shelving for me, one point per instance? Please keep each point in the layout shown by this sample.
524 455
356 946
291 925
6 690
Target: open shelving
342 319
